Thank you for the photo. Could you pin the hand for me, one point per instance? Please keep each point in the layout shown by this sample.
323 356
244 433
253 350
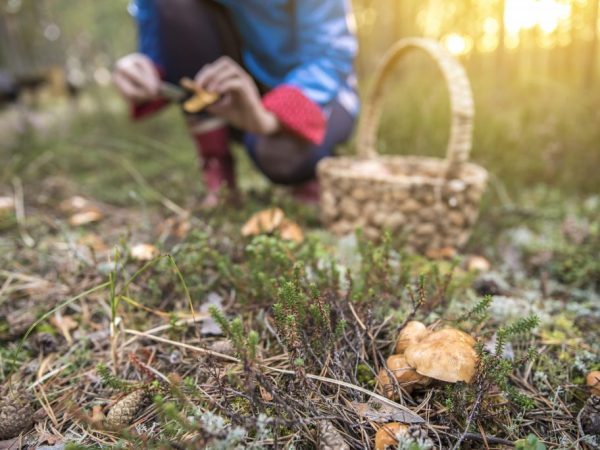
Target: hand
240 104
136 78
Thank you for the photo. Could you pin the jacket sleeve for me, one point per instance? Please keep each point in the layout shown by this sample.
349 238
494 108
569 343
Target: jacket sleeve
146 17
326 47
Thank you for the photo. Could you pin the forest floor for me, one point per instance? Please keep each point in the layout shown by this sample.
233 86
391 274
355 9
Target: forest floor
118 348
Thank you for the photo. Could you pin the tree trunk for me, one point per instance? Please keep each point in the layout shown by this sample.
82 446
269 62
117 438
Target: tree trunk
592 59
500 51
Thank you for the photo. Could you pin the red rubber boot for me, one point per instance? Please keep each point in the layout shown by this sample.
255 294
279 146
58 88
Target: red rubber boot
308 192
217 164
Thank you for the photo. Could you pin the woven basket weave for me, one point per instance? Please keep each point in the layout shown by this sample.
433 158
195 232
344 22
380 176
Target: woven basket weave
433 202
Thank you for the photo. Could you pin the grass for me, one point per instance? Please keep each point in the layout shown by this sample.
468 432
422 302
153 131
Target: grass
309 326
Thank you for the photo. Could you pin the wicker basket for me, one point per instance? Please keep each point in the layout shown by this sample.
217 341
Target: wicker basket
433 202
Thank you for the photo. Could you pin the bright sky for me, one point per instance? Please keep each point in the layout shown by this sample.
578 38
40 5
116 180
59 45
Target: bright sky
546 15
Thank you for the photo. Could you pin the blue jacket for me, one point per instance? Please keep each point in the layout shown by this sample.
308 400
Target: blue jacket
307 44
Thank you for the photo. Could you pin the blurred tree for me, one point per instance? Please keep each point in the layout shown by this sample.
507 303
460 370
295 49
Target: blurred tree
500 50
592 60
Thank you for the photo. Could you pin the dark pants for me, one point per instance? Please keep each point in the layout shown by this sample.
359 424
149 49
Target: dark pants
197 32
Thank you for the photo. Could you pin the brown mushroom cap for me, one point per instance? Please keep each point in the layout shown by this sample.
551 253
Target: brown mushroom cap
389 434
450 334
412 332
446 355
406 376
593 381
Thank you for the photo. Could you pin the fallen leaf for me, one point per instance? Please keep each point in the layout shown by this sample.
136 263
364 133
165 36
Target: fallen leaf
144 252
85 217
290 231
7 205
381 412
64 324
265 221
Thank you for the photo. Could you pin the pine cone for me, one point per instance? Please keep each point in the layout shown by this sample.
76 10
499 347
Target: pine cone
590 416
16 414
330 438
124 411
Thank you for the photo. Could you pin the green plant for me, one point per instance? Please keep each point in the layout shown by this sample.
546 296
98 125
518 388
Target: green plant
245 344
531 442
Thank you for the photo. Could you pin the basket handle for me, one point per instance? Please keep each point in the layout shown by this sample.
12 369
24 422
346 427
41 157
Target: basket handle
461 100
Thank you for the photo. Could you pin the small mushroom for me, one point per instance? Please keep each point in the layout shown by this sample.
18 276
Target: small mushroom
290 231
7 205
389 435
265 221
478 264
385 384
413 332
593 381
406 376
144 252
446 355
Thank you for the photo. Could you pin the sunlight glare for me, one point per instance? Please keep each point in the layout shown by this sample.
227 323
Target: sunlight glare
527 14
457 44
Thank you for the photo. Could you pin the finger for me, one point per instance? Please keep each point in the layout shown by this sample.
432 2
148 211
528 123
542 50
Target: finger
233 85
227 73
222 106
211 72
149 74
128 89
134 77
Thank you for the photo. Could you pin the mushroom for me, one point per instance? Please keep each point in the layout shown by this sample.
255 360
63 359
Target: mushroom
593 381
290 231
478 264
450 334
412 332
265 221
406 376
446 355
389 435
385 384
